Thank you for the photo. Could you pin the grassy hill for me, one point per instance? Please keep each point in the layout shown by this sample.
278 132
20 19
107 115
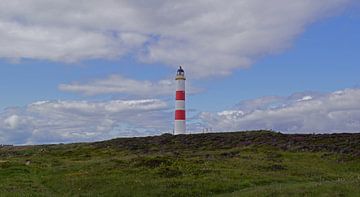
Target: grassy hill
254 163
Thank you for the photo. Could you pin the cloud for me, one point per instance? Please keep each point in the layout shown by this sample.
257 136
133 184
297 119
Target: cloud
209 37
300 113
12 122
117 84
60 44
73 121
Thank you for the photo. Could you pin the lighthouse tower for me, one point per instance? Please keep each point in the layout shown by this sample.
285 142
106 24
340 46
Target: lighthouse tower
180 125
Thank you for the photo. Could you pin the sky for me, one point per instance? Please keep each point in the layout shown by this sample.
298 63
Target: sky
95 70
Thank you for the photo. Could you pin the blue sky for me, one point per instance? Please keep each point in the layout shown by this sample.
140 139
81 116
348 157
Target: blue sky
316 57
324 59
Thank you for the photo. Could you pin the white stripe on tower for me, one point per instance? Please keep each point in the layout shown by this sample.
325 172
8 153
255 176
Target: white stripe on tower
180 114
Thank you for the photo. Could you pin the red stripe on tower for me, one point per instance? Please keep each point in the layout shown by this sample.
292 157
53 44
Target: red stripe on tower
180 114
180 95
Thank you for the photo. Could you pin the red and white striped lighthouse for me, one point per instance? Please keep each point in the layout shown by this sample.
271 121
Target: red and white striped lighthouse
180 115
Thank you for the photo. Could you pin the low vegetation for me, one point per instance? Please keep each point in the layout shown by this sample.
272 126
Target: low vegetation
254 163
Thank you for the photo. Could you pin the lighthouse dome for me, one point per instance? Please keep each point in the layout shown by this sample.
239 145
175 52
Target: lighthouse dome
180 74
180 71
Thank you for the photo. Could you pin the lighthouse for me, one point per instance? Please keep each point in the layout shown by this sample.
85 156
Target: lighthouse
180 115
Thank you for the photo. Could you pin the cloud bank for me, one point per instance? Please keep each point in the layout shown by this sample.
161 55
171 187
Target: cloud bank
300 113
73 121
209 37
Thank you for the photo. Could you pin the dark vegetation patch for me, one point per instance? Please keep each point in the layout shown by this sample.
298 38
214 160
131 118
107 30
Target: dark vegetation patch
230 154
343 143
169 171
274 156
151 162
272 167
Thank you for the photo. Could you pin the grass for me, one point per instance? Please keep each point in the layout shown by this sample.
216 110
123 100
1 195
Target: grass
171 166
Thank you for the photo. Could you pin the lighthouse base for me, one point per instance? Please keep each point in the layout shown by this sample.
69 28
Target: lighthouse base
180 127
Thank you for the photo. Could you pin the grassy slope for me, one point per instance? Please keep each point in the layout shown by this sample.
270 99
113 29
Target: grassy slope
227 164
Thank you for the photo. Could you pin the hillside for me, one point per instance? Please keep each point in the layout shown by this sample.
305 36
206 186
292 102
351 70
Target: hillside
253 163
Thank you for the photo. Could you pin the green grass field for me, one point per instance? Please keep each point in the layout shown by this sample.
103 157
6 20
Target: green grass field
257 163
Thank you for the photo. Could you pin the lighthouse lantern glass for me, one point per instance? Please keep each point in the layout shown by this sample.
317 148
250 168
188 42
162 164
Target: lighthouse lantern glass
180 71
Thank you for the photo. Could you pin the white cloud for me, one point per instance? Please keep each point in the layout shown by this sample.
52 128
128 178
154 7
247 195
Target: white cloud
60 44
71 121
305 98
335 112
12 122
122 85
209 37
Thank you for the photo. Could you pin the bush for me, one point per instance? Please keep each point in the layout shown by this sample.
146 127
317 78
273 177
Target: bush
169 171
151 162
